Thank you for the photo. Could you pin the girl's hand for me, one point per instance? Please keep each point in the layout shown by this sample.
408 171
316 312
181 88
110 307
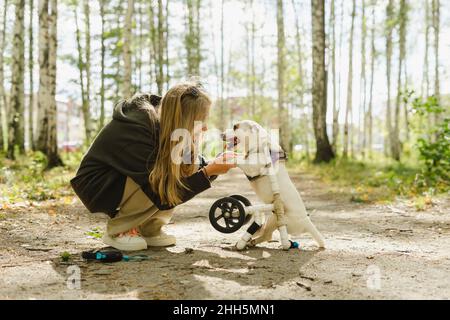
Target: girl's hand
222 164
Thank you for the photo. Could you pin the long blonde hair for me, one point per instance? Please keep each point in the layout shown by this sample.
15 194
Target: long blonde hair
181 107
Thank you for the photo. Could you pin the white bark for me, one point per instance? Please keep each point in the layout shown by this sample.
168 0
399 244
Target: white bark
127 43
16 124
3 99
348 111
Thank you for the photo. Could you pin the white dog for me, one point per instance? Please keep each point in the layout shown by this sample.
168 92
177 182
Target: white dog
256 146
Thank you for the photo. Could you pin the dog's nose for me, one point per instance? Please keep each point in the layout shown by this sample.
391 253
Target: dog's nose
235 127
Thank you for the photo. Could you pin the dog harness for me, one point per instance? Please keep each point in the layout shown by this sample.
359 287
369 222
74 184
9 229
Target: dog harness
275 156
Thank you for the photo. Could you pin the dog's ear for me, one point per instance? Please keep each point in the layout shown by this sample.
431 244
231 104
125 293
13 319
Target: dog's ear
256 127
155 100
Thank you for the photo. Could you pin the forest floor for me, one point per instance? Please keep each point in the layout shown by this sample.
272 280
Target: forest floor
374 251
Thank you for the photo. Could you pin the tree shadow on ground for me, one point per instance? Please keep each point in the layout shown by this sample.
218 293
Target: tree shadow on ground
169 274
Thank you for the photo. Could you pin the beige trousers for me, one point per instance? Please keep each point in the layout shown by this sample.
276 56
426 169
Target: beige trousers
136 210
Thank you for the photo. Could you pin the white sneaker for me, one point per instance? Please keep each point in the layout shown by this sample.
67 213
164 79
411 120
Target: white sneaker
125 242
161 240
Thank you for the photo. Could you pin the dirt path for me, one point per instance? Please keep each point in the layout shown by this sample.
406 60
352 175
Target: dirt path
381 252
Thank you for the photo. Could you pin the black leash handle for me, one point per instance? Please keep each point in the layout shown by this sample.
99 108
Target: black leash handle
103 256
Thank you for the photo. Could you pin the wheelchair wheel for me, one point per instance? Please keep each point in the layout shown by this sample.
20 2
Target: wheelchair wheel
227 215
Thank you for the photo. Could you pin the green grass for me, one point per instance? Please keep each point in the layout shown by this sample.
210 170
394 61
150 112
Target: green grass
65 256
26 179
374 182
95 233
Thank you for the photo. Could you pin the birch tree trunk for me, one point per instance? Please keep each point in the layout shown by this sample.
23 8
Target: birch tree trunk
166 46
102 65
252 60
283 120
222 65
85 103
336 127
396 144
362 111
53 157
389 30
189 38
3 99
192 39
87 40
333 66
301 84
48 139
139 51
213 51
31 78
153 45
160 52
16 116
348 110
436 8
426 76
127 43
324 153
43 93
372 76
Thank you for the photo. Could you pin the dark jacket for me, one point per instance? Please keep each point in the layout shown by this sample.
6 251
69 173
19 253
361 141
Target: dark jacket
126 147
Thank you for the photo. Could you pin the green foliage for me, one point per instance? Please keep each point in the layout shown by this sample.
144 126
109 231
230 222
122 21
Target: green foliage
373 182
434 147
436 155
26 179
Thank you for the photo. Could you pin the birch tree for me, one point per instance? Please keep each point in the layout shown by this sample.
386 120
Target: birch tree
222 64
85 103
48 140
281 65
396 144
333 67
373 56
390 23
363 100
140 44
192 38
87 42
436 9
301 84
127 42
153 46
336 127
16 124
3 99
253 59
324 153
166 44
102 5
436 19
160 77
43 93
31 78
348 110
426 76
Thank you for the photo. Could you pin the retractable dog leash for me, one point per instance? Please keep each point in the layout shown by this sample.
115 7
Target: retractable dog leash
111 256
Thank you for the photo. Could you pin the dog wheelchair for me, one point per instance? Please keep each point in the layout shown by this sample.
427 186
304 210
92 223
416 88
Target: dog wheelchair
229 214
